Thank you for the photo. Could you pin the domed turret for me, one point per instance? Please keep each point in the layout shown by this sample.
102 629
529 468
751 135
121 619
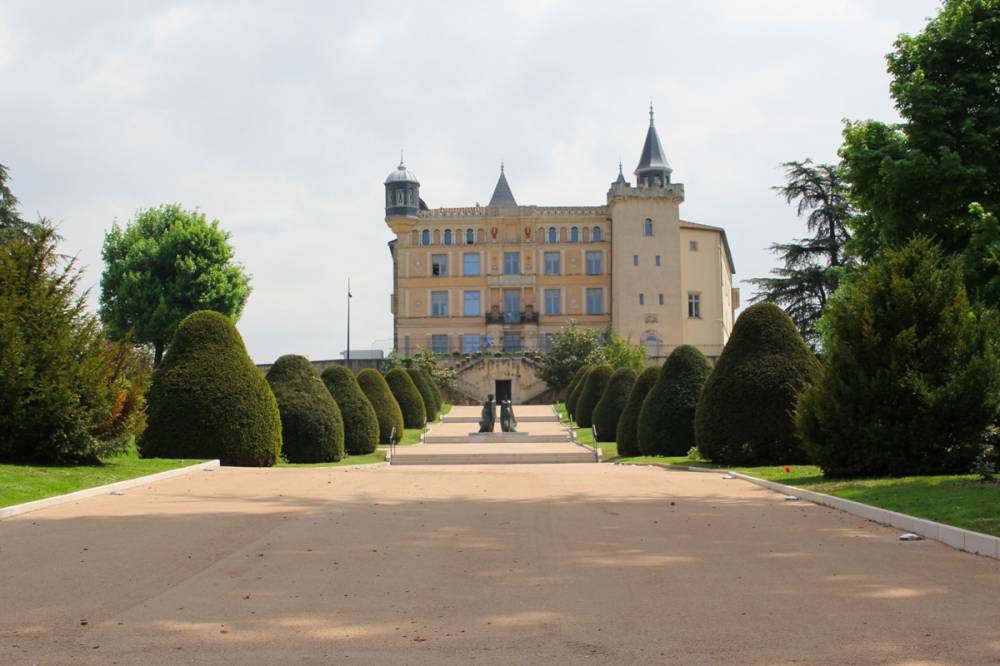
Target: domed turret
402 192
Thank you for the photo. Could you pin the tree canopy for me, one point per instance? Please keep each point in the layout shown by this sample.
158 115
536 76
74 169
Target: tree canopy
166 264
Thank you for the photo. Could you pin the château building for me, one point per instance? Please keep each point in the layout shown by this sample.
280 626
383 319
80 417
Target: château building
506 277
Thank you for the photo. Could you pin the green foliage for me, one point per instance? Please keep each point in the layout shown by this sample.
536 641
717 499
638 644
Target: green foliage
390 416
912 378
628 424
666 420
590 394
163 266
570 347
608 409
66 395
618 353
408 396
312 427
574 395
12 225
442 376
577 376
920 177
745 415
208 400
423 384
812 266
360 420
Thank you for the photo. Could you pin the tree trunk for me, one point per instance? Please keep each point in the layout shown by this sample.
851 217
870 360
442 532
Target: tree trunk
157 353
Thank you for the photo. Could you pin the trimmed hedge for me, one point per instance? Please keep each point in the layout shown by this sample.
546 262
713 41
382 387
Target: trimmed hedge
574 395
360 421
609 408
628 424
666 420
408 396
438 398
208 399
577 376
312 428
593 389
746 412
384 403
423 384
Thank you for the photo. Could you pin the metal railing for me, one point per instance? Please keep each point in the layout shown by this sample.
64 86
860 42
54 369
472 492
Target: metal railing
392 444
597 456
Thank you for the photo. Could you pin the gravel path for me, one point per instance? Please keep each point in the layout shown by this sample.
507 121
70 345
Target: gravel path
480 564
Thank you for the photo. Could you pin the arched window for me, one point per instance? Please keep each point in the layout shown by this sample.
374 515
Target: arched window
480 236
437 236
553 235
574 235
596 237
425 237
651 341
447 236
470 236
647 227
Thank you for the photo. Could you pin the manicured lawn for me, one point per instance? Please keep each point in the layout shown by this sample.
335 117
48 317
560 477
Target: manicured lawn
445 408
411 436
367 459
561 410
26 483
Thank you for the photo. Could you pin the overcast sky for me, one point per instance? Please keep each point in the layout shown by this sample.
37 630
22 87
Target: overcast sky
282 119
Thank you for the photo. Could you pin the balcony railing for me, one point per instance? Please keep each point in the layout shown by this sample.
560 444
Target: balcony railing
526 316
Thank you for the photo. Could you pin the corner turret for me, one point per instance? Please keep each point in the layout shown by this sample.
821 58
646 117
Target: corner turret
402 192
653 169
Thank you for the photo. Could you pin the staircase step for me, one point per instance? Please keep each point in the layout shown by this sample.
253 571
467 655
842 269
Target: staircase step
520 419
582 456
496 438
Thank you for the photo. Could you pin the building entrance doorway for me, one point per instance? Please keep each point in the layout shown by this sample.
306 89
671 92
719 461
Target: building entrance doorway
503 390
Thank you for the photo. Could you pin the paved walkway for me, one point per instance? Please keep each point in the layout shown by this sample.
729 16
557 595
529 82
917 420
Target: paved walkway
482 564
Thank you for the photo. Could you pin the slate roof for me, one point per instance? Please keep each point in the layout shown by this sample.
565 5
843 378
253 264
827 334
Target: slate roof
652 151
502 196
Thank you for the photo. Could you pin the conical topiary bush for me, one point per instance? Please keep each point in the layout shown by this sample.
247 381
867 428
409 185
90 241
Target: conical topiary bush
311 424
360 421
609 408
628 423
574 396
408 396
568 390
746 412
666 420
593 389
387 410
438 398
422 382
208 400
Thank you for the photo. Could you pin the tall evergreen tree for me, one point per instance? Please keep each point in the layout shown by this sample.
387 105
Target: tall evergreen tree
812 265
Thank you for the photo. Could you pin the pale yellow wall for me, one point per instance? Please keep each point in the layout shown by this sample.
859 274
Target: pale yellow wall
705 272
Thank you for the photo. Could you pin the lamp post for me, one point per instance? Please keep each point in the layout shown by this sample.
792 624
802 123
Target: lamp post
348 355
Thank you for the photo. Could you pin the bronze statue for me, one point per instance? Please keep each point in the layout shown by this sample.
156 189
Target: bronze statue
489 416
508 423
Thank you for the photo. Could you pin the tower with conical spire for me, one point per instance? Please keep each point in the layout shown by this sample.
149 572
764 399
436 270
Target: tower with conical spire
653 169
502 196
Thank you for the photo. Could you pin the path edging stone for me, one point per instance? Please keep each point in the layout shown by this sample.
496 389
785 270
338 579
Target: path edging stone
35 505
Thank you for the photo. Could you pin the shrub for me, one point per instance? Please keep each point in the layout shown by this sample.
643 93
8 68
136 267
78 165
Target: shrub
386 408
911 383
66 394
593 389
609 408
628 424
408 397
574 395
360 421
208 400
423 384
666 421
745 415
312 427
577 376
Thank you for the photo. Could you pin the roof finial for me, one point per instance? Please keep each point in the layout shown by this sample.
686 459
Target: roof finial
501 167
650 113
401 159
620 168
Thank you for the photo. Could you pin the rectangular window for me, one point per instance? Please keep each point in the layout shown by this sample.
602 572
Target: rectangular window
512 343
593 263
552 263
439 344
511 306
595 300
439 303
694 306
657 260
693 245
553 302
642 299
439 264
470 266
511 263
470 304
470 343
661 299
635 260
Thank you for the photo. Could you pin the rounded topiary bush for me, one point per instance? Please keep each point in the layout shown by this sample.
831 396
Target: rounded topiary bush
666 420
438 398
609 408
423 384
408 396
360 421
208 400
387 410
312 428
746 412
573 382
574 395
593 389
628 423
